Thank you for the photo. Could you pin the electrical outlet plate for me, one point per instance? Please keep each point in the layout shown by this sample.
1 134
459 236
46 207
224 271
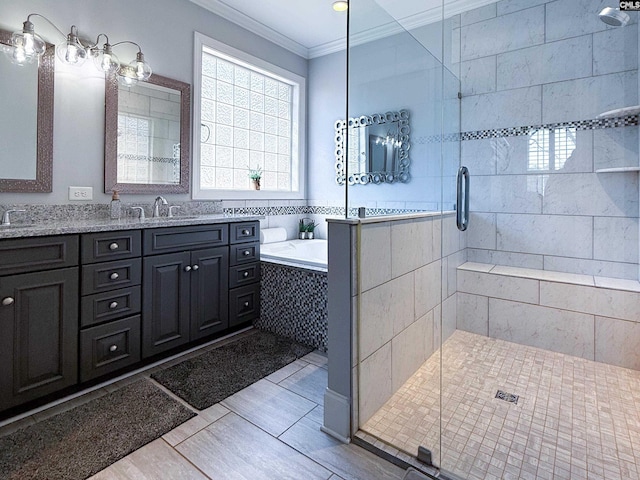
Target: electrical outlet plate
80 193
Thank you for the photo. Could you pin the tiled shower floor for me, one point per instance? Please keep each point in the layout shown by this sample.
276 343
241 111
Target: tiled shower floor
575 418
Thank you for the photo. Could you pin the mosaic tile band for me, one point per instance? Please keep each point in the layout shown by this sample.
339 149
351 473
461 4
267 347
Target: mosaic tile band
309 210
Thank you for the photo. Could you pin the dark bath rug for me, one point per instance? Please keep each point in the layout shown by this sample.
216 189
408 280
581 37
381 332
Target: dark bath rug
214 375
86 439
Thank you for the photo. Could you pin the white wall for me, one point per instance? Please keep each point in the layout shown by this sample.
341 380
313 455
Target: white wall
164 29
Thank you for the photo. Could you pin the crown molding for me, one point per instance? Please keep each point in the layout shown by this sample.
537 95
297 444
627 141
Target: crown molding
248 23
392 28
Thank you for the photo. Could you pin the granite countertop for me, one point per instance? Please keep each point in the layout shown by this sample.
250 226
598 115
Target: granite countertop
60 227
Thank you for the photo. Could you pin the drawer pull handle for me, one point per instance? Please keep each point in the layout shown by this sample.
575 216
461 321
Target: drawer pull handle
245 274
113 246
246 253
114 276
113 348
246 232
195 267
187 268
7 301
246 304
113 305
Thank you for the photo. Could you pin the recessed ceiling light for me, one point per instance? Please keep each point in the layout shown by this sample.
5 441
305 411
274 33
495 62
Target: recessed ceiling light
340 5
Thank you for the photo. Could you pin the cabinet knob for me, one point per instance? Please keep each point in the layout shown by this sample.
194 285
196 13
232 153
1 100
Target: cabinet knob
246 304
195 267
245 274
113 246
245 232
246 253
113 348
7 301
113 305
114 276
187 268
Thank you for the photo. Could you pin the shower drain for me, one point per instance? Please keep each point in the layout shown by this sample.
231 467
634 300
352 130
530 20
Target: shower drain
507 397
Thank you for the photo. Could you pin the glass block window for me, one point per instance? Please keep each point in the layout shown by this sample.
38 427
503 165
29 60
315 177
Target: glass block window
249 120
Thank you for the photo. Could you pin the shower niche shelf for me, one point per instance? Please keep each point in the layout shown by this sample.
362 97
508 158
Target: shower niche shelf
618 169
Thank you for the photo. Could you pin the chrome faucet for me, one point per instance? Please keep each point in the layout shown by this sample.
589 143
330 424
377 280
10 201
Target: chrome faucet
156 205
6 220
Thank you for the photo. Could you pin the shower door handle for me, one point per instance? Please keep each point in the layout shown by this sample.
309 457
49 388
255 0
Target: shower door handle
462 199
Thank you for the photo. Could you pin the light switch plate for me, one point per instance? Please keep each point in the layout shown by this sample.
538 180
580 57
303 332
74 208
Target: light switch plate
80 193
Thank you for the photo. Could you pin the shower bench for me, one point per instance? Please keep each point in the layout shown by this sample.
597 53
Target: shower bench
597 318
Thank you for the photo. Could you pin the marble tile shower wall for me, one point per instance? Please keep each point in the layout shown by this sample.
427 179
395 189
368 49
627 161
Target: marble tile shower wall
526 64
407 279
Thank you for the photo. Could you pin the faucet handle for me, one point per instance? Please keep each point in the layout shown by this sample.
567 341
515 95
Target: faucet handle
141 214
171 214
6 220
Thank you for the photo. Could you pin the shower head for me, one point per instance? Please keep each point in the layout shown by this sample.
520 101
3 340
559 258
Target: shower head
614 17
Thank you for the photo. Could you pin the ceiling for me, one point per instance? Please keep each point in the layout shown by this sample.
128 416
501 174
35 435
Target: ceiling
311 28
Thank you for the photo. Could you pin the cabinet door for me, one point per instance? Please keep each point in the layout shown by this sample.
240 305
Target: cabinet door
39 341
209 286
165 304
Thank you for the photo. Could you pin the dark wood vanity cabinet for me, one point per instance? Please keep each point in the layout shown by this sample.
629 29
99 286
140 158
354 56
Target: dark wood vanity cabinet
185 292
244 274
38 317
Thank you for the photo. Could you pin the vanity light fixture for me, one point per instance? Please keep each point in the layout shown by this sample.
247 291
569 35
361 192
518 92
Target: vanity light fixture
340 5
27 47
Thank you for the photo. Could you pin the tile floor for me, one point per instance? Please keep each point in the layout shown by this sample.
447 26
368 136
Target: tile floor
269 430
574 419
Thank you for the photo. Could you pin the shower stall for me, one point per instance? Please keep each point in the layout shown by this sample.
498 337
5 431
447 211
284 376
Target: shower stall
494 332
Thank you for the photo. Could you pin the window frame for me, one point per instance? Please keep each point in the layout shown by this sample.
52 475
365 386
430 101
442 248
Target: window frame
299 101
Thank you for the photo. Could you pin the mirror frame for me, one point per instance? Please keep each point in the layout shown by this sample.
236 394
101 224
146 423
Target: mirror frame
401 174
111 139
43 182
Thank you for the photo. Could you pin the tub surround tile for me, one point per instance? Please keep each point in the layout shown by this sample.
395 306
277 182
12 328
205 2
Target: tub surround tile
505 194
545 234
618 342
546 63
518 289
599 301
480 156
615 147
508 32
598 94
483 231
548 328
473 313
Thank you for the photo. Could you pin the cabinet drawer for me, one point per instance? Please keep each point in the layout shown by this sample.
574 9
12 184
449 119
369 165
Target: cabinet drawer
23 255
244 304
244 253
100 277
176 239
110 347
244 232
106 246
102 307
244 275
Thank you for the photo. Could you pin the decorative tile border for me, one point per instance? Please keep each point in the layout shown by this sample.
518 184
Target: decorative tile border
595 124
319 210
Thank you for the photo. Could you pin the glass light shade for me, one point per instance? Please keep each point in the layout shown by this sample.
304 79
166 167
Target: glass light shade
140 67
72 51
106 60
127 76
27 46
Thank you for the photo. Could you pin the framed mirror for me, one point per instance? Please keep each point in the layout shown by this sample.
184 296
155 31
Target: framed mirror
378 149
26 122
147 136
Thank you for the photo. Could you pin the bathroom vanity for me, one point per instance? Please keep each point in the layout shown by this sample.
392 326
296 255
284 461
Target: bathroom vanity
87 299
